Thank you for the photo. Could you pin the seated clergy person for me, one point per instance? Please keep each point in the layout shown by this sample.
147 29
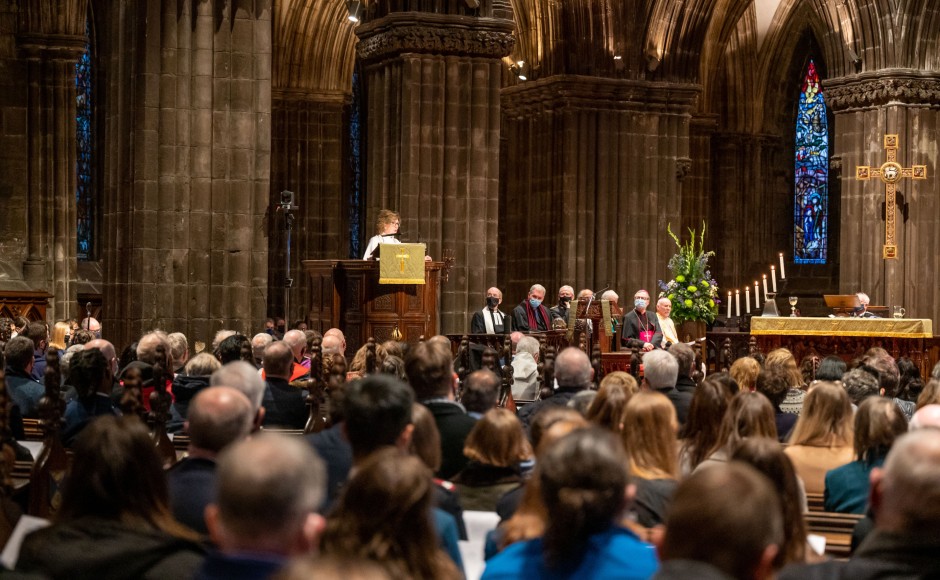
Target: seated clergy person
640 328
666 325
489 320
531 315
386 228
862 311
285 406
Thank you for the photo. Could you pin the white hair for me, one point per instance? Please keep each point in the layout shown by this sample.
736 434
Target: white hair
537 287
610 295
529 345
242 377
661 369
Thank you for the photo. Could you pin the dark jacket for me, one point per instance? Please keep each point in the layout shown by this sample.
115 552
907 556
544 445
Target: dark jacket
285 406
478 323
520 318
185 388
454 425
559 399
685 385
632 326
25 392
333 447
80 412
219 566
481 486
94 548
39 365
192 487
681 400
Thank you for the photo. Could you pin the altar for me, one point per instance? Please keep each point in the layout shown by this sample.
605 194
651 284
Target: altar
847 338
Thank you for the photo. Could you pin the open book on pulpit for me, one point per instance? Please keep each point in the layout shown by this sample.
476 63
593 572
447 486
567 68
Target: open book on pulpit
401 263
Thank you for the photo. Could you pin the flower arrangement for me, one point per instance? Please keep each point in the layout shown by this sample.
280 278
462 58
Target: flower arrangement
692 290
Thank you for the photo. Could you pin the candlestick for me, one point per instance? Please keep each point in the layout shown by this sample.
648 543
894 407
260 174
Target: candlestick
737 303
783 273
756 293
729 303
747 300
765 285
773 278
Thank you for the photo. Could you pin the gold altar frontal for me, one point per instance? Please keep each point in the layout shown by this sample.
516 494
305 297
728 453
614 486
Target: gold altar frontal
847 338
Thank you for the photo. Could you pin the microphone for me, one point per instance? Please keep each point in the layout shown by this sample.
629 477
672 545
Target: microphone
88 316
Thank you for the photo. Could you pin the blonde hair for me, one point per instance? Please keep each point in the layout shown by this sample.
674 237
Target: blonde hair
826 419
358 364
385 217
59 332
748 415
783 360
744 371
498 439
607 408
649 436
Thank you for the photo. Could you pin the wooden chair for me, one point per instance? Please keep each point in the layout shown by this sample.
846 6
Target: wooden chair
33 429
836 528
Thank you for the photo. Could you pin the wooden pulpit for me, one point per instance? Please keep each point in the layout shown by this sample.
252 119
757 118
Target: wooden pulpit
346 294
605 317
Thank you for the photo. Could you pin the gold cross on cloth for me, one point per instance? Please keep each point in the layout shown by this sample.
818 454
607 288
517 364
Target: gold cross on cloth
402 256
890 173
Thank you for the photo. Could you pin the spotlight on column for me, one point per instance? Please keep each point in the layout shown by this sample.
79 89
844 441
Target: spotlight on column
354 7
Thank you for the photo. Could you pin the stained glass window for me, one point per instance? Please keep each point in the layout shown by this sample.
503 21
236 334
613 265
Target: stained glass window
811 193
355 167
84 118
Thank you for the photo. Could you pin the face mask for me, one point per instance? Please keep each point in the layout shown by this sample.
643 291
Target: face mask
534 303
565 299
492 301
639 303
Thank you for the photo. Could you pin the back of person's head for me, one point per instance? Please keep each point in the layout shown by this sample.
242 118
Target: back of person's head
831 368
649 436
782 359
888 375
926 417
727 517
773 383
242 377
19 352
547 417
218 417
528 345
906 493
480 391
497 439
59 338
219 337
258 344
359 361
744 371
179 346
661 369
88 372
383 515
426 438
331 344
394 366
153 348
767 456
826 418
748 415
583 479
278 360
573 369
377 410
202 365
38 332
267 490
684 356
430 370
606 409
702 429
911 384
878 423
860 384
235 347
116 475
728 382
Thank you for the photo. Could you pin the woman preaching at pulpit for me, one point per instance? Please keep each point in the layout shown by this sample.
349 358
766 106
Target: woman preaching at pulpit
386 226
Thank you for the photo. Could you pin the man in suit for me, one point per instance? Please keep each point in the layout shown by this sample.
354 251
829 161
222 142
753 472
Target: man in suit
573 373
285 406
531 315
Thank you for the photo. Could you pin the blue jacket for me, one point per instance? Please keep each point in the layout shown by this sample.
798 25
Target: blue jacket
847 487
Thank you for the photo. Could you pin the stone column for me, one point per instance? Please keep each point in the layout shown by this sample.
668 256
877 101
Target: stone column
51 47
433 126
188 167
868 106
596 174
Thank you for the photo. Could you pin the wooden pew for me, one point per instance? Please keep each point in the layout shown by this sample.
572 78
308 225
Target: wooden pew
32 429
836 528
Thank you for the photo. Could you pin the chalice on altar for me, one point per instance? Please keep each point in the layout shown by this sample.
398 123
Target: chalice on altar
793 301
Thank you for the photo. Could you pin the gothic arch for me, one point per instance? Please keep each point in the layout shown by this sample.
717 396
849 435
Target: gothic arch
314 48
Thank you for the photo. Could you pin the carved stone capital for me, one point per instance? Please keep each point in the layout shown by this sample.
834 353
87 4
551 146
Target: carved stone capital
903 86
51 46
683 167
406 32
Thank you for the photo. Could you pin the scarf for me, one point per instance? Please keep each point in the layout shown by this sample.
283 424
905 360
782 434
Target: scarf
488 319
533 321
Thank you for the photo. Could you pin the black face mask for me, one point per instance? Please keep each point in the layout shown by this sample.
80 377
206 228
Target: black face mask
565 299
492 301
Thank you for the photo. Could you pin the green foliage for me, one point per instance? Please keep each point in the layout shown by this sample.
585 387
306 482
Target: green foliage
692 290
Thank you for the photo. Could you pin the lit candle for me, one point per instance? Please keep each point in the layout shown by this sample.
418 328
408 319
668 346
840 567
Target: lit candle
729 303
773 278
765 285
747 300
756 293
783 273
737 303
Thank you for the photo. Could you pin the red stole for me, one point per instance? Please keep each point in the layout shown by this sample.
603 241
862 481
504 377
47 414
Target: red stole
533 322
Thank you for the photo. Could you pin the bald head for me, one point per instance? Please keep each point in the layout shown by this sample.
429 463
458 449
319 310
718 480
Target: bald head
218 417
153 348
277 360
297 341
107 349
331 344
338 334
573 369
927 417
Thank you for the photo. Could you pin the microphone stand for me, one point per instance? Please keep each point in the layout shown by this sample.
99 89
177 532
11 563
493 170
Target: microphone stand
287 207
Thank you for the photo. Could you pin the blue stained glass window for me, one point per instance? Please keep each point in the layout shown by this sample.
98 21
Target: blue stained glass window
811 183
355 166
84 118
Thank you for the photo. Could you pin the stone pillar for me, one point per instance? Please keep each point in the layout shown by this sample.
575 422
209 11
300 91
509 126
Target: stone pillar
868 106
308 158
188 167
51 47
595 174
433 126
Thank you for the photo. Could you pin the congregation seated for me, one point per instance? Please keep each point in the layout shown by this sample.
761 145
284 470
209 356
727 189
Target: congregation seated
25 391
426 446
480 392
822 437
744 371
782 360
661 373
114 520
90 374
573 374
748 415
773 384
285 406
701 433
525 385
217 418
649 436
186 385
614 393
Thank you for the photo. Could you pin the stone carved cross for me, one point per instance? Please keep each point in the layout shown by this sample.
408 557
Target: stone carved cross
890 173
401 255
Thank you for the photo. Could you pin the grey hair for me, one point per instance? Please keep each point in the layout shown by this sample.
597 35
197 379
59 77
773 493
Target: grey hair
661 369
573 368
243 377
